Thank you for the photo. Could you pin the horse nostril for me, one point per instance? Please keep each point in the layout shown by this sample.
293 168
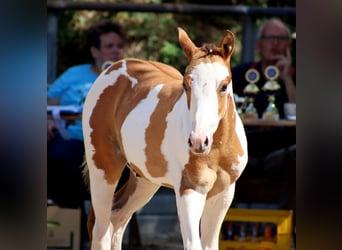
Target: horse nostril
190 143
206 142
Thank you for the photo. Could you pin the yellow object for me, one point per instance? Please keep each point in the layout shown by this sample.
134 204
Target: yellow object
281 218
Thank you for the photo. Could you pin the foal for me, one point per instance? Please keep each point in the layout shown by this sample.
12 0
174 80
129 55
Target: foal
181 132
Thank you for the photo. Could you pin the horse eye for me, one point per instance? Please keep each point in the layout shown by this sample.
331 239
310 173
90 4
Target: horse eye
224 87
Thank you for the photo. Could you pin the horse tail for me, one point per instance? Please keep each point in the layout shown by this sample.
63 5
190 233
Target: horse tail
85 173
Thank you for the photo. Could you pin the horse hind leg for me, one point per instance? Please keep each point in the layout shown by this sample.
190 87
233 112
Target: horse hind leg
91 214
102 186
101 195
132 196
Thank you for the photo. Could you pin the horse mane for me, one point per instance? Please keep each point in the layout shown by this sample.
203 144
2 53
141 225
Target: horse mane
211 49
207 49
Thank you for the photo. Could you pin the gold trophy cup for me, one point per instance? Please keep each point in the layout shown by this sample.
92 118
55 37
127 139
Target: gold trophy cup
251 89
271 87
106 64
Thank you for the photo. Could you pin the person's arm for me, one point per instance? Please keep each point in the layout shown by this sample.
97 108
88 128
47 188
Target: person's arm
50 123
284 65
290 89
52 101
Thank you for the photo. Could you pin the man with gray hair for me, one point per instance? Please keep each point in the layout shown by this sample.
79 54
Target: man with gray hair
272 151
273 45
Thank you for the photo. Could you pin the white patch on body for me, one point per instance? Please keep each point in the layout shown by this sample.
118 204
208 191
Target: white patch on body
175 143
134 127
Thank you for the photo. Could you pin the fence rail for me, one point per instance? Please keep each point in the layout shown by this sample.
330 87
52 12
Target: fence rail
173 8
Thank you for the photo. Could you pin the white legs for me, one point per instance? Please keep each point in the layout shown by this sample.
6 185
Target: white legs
213 216
201 219
134 195
112 217
102 195
190 206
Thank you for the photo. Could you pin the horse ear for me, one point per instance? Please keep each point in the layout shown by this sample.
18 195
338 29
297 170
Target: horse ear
227 44
186 43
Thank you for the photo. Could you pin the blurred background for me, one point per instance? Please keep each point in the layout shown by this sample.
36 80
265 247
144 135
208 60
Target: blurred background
151 27
151 30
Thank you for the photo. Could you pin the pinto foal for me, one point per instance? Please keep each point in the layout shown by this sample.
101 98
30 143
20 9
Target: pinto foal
181 132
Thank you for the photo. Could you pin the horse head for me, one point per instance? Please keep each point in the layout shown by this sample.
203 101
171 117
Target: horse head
207 83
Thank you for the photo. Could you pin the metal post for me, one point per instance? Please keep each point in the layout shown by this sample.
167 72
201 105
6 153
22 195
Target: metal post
52 26
248 38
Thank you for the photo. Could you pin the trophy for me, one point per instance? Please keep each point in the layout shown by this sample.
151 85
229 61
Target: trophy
271 87
106 64
251 89
240 102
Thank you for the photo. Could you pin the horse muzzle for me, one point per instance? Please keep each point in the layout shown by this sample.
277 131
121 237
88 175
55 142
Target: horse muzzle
199 145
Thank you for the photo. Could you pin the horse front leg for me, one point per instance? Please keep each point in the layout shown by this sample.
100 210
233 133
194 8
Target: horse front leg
214 212
190 205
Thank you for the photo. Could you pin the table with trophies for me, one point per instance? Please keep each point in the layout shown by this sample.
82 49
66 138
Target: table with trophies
246 108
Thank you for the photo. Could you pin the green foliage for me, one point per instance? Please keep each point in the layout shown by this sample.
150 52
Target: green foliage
169 52
151 36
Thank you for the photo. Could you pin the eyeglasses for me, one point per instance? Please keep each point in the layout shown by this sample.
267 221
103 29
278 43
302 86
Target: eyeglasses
278 38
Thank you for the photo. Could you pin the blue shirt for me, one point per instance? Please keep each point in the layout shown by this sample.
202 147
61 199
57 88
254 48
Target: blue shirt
71 87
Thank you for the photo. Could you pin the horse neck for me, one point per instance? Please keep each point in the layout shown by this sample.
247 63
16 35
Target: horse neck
227 124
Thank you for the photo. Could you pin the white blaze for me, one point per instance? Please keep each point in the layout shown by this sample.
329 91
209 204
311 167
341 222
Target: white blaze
206 78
